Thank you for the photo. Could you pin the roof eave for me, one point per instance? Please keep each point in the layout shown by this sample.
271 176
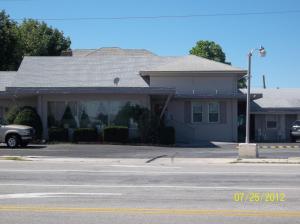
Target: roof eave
90 90
157 73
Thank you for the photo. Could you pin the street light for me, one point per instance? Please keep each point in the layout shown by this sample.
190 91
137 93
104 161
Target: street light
262 53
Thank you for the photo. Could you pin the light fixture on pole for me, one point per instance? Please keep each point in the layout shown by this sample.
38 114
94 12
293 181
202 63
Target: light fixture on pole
262 53
247 150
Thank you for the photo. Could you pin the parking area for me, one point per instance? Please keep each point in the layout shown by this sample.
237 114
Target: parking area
211 150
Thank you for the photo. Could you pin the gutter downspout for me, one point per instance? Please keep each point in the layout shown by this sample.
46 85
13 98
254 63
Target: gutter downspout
165 106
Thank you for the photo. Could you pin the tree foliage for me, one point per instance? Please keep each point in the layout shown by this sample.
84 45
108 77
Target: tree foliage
37 38
213 51
68 119
29 116
209 50
84 120
148 123
10 50
30 37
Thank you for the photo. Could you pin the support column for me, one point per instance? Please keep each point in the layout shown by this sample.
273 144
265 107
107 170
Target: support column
42 111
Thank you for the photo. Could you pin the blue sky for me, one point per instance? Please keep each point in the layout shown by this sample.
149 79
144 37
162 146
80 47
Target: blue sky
279 34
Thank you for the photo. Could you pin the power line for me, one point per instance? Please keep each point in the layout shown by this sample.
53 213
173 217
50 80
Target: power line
170 16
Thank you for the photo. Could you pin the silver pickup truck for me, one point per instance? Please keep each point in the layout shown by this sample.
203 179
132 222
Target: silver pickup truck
16 135
295 131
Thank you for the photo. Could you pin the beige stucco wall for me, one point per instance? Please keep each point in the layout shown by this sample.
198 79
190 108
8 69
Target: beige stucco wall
208 83
280 133
205 131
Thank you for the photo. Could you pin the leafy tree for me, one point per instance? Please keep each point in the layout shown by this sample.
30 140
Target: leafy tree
29 116
148 123
12 114
209 50
213 51
10 51
31 37
38 39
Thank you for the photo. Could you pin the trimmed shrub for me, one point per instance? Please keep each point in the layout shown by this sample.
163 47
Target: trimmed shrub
51 121
12 114
116 134
167 135
58 134
29 116
103 118
68 119
85 135
84 120
148 123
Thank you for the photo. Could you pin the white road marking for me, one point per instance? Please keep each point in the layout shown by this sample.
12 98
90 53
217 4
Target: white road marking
153 172
155 186
53 194
146 166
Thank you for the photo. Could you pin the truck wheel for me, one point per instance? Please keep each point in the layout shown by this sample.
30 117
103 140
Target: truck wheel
24 144
12 141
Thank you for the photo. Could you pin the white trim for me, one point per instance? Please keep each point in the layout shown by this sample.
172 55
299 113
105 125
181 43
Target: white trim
218 103
192 112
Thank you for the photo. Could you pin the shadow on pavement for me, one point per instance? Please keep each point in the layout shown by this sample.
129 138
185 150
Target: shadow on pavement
24 148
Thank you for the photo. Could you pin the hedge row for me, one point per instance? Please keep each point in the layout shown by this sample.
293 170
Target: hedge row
85 135
58 134
117 134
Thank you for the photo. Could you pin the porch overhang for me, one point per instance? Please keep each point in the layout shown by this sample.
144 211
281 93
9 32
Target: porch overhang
295 110
238 96
88 90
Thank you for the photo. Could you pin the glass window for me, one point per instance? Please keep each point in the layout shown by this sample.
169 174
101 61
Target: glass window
213 112
197 112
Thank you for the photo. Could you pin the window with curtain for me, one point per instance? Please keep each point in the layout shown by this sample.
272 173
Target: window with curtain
197 110
213 112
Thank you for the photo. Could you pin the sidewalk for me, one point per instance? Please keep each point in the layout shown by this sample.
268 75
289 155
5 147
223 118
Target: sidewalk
165 161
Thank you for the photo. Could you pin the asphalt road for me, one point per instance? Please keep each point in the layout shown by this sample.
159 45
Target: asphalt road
90 192
144 152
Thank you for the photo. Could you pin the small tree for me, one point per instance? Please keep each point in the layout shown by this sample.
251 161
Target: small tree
148 123
68 118
103 118
84 120
12 114
29 116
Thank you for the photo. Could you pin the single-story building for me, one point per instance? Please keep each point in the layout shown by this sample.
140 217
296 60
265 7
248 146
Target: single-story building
274 114
198 97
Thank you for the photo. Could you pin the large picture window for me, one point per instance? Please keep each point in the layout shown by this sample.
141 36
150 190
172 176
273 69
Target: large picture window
197 112
213 112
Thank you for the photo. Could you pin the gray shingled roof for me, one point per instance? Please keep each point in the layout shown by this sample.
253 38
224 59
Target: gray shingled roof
192 63
276 99
99 68
97 71
6 79
110 51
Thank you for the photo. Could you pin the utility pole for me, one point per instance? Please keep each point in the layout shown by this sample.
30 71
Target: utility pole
264 82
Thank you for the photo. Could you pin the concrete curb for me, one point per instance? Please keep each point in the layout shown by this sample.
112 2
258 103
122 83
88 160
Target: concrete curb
163 161
292 160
